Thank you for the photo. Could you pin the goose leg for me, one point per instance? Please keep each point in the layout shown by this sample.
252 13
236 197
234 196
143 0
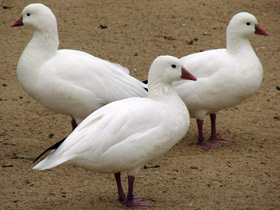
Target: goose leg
122 197
131 201
201 141
214 137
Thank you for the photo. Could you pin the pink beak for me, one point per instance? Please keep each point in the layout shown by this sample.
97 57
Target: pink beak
260 31
18 23
187 75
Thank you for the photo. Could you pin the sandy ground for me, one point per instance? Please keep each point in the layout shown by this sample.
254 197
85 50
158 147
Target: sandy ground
240 175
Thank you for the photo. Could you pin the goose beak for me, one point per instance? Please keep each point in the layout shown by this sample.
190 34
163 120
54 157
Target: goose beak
187 75
260 31
18 23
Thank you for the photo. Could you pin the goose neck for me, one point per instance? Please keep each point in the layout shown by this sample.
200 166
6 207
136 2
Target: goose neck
237 44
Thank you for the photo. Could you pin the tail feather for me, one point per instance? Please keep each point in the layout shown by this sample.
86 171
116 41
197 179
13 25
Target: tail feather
50 162
53 147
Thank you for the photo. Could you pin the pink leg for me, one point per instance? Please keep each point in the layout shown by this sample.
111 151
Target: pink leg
122 196
201 140
214 137
74 124
131 201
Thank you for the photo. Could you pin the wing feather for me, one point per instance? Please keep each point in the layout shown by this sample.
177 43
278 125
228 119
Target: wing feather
112 129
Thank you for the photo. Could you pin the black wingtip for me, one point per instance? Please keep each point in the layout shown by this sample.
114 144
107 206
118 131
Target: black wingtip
55 146
146 82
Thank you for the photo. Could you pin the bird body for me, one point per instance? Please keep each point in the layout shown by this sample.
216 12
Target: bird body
76 91
122 136
223 81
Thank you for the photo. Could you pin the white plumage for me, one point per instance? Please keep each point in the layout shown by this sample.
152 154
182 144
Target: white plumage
125 134
226 77
69 82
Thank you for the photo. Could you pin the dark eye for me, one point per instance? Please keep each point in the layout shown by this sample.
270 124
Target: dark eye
173 66
248 23
28 14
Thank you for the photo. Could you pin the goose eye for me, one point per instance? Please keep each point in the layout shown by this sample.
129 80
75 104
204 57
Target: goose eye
248 23
173 66
28 14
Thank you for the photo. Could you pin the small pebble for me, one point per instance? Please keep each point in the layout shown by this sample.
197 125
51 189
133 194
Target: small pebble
153 166
103 26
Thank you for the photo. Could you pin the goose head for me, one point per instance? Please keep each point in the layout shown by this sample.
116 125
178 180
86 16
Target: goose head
167 69
244 25
38 17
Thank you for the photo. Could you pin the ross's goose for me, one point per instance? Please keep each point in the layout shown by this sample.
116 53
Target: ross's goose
225 77
69 82
125 134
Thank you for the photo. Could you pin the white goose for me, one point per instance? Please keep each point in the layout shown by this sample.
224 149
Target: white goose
69 82
226 77
125 134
